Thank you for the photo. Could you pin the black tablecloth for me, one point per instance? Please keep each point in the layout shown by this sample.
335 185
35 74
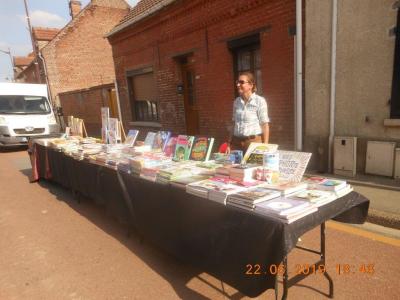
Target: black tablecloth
220 239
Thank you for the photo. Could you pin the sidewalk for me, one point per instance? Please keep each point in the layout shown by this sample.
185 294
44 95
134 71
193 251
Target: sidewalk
383 193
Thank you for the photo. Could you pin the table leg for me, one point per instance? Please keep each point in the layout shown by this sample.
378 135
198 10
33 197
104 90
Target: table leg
287 283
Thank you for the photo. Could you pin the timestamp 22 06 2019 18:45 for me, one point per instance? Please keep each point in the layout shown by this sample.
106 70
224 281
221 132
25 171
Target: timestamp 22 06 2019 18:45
340 269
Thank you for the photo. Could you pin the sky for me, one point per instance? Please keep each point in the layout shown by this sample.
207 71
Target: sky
14 34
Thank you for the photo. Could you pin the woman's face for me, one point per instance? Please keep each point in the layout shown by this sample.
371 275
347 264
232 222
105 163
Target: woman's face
243 85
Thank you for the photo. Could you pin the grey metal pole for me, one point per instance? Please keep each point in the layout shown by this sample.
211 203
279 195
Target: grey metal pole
35 50
12 62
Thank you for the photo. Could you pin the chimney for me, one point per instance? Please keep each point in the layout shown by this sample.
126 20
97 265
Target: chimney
74 8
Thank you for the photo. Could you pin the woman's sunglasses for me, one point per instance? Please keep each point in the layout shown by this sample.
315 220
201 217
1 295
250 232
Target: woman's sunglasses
241 82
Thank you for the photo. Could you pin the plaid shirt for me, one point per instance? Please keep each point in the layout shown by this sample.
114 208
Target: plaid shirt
249 117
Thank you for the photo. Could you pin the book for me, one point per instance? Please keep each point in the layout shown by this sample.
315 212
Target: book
184 181
292 218
201 148
283 207
316 197
256 194
243 172
161 139
222 191
326 184
183 147
131 137
150 137
292 165
344 191
255 151
169 148
286 187
114 131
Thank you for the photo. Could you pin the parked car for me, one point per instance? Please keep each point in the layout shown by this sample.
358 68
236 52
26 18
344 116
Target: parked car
25 112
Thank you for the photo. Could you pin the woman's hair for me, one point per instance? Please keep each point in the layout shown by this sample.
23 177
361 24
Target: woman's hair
251 79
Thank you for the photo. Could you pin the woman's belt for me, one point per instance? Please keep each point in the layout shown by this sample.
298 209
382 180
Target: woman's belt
246 138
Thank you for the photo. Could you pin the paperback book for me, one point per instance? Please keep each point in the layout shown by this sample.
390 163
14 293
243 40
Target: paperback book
201 148
183 147
169 148
255 152
161 139
150 137
131 137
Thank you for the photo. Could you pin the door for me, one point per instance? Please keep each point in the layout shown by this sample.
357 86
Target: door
189 98
112 96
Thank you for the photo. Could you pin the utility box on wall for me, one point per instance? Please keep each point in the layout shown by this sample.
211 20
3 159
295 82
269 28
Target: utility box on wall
380 158
397 164
344 156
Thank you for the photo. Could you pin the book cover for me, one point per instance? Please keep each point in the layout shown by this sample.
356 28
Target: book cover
331 185
325 184
254 153
283 207
183 147
150 137
169 149
258 193
316 197
201 148
131 137
292 165
161 139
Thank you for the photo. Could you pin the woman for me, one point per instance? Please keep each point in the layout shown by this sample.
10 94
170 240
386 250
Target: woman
250 115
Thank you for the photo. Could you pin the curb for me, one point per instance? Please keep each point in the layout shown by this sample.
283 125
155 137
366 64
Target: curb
374 185
385 219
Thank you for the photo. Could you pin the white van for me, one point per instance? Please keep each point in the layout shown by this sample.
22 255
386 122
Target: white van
25 112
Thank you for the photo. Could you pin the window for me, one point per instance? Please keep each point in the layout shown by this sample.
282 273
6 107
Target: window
24 105
246 57
395 99
143 97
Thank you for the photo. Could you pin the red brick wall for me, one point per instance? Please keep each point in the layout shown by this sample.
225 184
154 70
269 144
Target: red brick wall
86 104
205 27
80 57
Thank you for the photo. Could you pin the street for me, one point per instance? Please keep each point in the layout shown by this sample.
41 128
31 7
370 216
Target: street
53 247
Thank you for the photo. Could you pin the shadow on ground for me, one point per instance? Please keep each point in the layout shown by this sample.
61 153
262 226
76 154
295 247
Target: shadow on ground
172 270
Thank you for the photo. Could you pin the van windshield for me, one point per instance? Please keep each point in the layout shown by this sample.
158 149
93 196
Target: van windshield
24 105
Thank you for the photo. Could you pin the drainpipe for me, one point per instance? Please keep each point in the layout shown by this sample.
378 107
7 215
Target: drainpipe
333 86
45 76
60 119
299 82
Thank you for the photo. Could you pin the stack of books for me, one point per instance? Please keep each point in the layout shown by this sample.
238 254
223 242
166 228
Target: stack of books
244 172
248 198
182 182
316 197
286 210
339 187
286 187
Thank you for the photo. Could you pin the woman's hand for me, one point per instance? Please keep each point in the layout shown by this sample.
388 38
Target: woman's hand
228 149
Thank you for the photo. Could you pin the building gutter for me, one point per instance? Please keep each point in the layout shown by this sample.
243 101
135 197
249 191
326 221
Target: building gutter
299 79
333 86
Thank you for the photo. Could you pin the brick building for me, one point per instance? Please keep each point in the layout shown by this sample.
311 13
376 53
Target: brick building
176 63
34 72
20 63
79 61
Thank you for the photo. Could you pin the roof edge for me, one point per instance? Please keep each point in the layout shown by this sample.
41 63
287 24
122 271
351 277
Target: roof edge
151 11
